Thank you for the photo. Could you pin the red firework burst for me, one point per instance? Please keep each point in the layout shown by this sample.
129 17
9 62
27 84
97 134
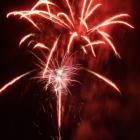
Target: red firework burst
79 28
77 24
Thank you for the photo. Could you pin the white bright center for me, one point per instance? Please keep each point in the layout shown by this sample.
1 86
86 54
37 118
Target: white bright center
59 72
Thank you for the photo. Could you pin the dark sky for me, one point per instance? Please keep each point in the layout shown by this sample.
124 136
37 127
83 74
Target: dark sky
21 116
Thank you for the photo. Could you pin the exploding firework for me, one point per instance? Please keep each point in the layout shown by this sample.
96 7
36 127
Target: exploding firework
77 24
56 74
59 77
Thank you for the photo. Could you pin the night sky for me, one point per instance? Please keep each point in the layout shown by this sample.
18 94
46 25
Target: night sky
113 117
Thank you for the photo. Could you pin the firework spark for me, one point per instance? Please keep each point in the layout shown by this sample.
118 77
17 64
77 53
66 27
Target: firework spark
12 82
106 80
25 38
40 45
50 56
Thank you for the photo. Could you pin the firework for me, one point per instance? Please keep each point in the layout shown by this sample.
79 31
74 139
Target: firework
57 72
58 76
78 25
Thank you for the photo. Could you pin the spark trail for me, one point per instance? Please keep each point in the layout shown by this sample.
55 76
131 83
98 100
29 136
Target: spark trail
12 82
